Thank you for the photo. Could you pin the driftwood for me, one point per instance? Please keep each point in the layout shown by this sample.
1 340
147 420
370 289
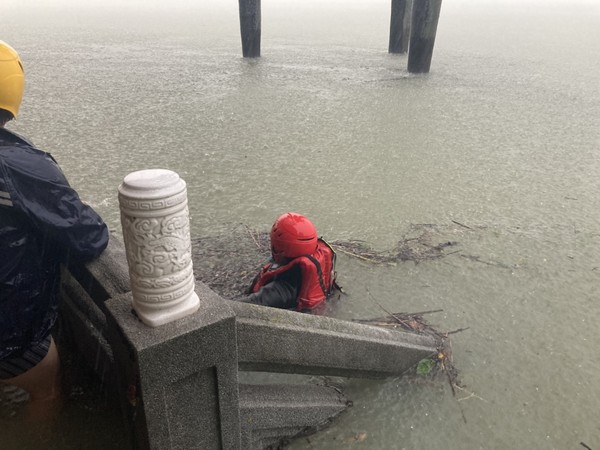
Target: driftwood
416 323
415 249
441 366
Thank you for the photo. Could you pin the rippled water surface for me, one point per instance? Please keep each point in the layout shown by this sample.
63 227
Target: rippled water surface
496 149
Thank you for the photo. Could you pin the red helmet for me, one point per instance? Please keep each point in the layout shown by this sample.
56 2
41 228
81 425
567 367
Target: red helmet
292 235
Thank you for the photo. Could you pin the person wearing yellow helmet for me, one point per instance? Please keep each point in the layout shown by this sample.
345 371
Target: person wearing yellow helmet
12 82
43 223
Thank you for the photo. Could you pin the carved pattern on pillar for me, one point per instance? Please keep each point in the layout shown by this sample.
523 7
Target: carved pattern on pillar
156 233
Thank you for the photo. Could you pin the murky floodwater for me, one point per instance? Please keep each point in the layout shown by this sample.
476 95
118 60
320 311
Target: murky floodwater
503 137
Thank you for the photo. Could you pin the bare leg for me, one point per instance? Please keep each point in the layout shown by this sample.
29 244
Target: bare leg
42 382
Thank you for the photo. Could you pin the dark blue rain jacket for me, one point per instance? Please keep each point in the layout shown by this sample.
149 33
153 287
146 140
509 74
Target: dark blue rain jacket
42 223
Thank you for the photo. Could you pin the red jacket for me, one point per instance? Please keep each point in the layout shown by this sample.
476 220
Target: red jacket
318 276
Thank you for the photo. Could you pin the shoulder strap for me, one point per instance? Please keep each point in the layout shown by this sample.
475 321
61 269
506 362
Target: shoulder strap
319 272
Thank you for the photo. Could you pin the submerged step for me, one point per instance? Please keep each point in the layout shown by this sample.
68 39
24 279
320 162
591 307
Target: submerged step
271 413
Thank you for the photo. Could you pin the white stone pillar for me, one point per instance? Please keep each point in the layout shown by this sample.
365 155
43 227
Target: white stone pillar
156 233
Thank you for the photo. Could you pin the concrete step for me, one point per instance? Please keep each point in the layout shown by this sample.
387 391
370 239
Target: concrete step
272 413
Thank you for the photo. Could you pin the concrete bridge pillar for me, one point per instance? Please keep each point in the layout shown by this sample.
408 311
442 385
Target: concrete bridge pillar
425 17
400 26
156 233
250 27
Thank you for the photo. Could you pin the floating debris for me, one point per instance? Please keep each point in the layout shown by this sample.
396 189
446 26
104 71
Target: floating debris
441 363
411 249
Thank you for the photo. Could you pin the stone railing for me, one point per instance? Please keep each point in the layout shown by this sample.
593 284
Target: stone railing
176 375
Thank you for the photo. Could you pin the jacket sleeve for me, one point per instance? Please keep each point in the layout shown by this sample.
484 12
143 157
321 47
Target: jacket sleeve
43 194
279 293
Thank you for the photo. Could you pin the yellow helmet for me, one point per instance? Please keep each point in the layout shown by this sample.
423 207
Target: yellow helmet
12 79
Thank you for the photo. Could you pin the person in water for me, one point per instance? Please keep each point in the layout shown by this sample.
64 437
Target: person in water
301 274
43 223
